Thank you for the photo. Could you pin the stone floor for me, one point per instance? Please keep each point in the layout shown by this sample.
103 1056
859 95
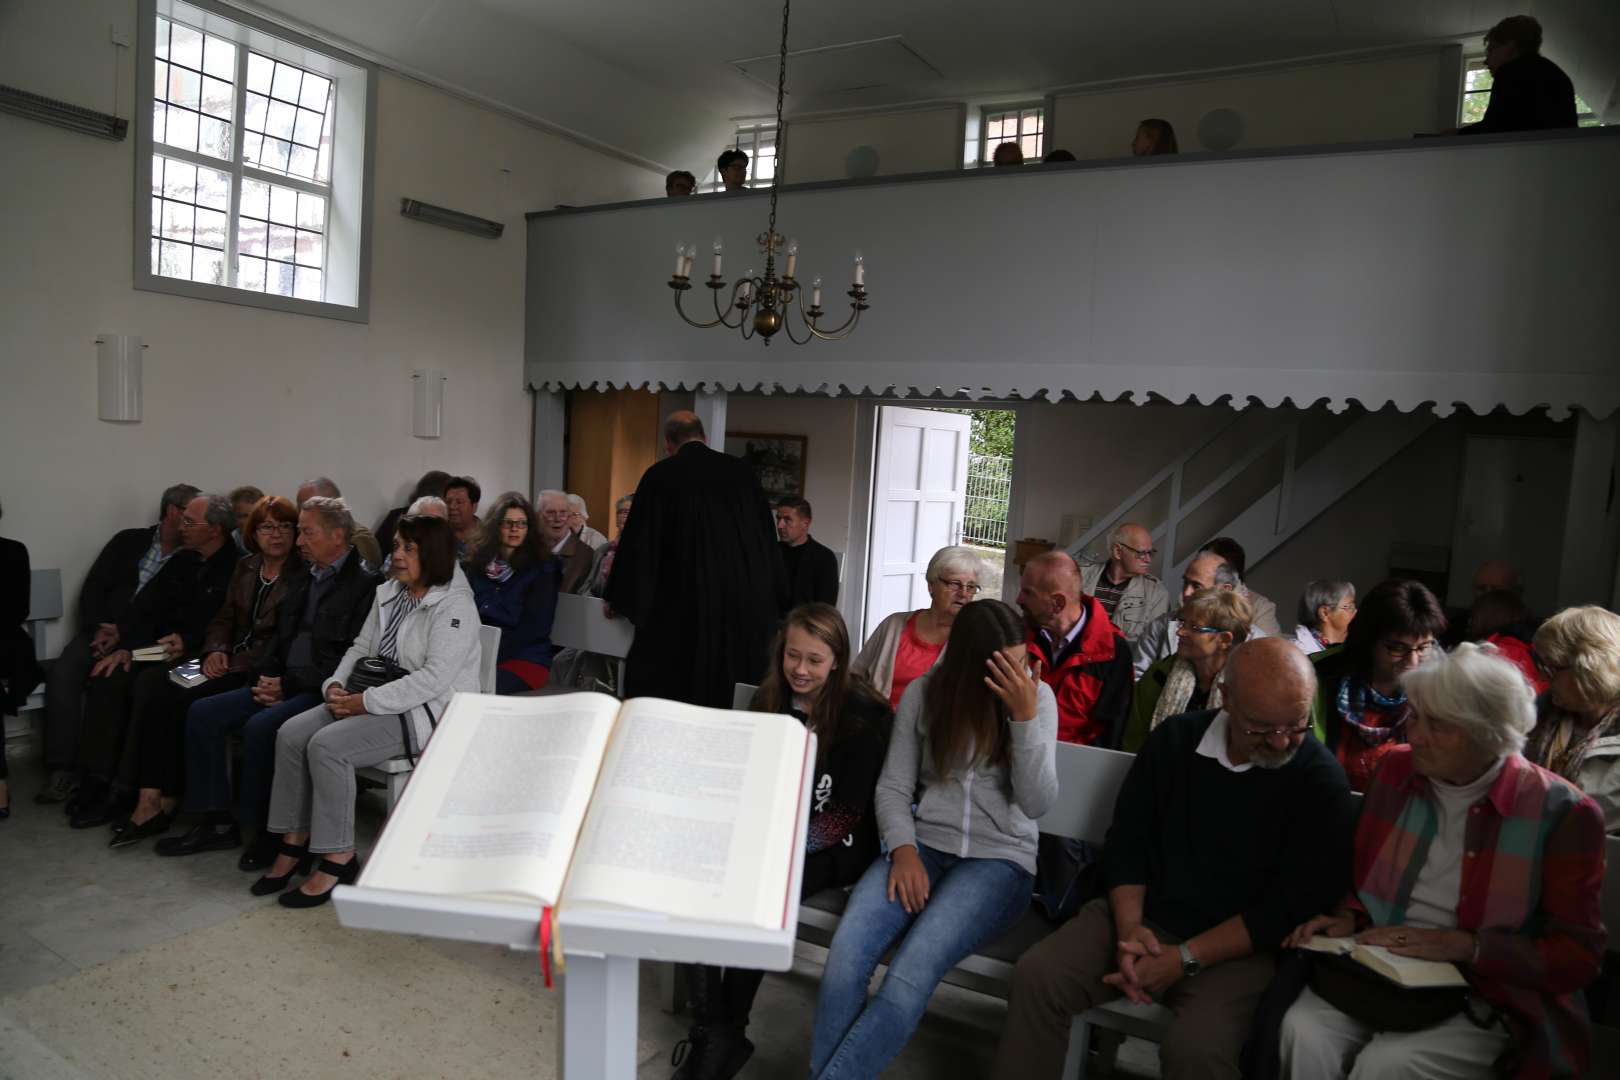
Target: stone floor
68 903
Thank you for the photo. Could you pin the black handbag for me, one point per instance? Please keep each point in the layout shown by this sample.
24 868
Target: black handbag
370 671
1363 994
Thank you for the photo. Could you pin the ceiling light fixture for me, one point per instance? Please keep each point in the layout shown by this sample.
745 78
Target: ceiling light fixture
761 304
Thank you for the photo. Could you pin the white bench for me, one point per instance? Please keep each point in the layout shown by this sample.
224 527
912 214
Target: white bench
580 624
391 775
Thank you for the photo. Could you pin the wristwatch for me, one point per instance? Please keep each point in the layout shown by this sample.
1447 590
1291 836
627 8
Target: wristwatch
1189 963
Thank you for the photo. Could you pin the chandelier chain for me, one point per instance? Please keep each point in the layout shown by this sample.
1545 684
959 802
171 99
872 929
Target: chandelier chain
781 137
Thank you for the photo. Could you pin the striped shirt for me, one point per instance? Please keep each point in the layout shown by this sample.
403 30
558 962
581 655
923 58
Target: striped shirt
152 561
403 605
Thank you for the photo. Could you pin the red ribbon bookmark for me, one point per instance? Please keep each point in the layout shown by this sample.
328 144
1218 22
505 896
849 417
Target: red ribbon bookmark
545 945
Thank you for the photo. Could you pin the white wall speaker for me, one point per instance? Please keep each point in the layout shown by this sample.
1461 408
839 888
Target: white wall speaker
118 377
427 403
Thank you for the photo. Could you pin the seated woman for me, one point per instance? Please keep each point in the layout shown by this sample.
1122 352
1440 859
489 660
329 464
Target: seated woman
1213 623
811 679
233 645
1360 710
1325 611
1577 731
514 580
1500 617
1469 854
970 767
427 627
908 643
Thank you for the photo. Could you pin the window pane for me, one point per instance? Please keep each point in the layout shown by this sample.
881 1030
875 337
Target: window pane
214 138
160 122
162 38
274 154
257 106
307 128
279 278
156 258
175 260
323 166
283 207
210 229
313 94
185 47
208 266
279 123
310 249
213 189
179 180
301 162
250 238
157 215
311 212
286 82
185 87
217 98
160 80
307 284
176 220
259 72
182 129
219 58
255 198
252 147
1478 79
157 174
281 242
250 274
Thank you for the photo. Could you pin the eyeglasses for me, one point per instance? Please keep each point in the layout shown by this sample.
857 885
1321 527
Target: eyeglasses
969 587
1139 552
514 525
1285 732
271 528
1185 629
1348 605
1400 650
188 523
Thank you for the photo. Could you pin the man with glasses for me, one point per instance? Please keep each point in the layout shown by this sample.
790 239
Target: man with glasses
1207 570
1230 825
1130 595
1083 658
574 555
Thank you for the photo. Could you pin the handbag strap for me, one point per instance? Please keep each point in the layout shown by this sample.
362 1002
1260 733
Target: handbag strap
405 730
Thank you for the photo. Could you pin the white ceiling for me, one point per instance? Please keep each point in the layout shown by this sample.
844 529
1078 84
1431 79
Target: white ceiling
655 78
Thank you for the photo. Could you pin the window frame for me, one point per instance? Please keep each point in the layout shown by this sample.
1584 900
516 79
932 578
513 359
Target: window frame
1038 105
345 200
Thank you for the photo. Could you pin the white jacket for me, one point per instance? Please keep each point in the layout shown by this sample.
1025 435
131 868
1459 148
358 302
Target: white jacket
438 645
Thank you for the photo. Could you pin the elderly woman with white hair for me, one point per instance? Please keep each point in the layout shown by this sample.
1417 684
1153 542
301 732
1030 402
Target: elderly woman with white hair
1577 731
909 643
1469 854
579 523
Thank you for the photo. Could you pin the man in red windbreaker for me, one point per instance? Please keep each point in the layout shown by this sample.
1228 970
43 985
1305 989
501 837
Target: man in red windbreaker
1084 659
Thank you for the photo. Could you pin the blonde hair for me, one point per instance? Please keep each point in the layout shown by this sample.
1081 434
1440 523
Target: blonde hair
1479 690
1224 609
1586 640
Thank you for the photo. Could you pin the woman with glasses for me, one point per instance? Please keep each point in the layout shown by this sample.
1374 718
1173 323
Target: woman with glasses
1213 623
908 643
1325 611
1577 731
1361 710
1468 854
515 581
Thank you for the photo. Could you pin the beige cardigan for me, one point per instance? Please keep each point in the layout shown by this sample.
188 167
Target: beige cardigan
876 659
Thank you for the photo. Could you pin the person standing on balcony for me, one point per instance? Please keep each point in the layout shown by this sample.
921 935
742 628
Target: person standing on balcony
1130 595
732 166
1528 91
812 568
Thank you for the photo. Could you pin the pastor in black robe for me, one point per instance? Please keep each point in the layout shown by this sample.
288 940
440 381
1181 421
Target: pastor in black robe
699 574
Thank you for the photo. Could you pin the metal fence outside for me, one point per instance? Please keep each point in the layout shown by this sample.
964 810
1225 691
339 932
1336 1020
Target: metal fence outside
989 486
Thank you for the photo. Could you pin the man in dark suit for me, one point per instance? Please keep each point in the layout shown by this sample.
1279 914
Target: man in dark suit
1528 91
698 572
130 560
812 568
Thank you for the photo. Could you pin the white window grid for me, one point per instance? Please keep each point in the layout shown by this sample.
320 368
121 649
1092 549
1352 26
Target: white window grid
758 141
1024 124
274 223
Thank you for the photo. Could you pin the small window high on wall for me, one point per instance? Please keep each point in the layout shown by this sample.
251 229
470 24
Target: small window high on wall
1021 124
1476 96
253 145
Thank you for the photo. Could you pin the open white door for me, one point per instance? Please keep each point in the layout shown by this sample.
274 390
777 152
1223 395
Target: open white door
919 498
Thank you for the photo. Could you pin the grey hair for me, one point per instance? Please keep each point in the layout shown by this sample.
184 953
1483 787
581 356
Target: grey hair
220 513
324 487
1322 594
576 502
1479 690
176 496
1117 536
623 502
1225 575
548 493
957 558
333 512
426 503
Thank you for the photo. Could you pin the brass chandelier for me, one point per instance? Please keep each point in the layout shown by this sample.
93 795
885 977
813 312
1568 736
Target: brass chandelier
760 305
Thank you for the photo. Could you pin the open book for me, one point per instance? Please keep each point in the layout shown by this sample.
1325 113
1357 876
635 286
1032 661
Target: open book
575 800
1407 971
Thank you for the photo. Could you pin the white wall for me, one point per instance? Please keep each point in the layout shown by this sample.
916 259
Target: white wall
238 395
906 140
1306 106
829 425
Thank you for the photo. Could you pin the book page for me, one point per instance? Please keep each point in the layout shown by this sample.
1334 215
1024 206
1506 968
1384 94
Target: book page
1339 946
1408 970
696 815
495 804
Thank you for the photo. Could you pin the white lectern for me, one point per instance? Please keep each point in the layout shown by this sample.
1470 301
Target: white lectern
602 947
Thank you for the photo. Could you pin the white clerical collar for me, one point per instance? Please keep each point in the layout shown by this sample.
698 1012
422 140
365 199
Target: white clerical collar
1213 745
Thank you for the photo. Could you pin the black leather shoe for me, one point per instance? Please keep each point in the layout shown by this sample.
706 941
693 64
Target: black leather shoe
267 884
86 796
346 873
690 1053
201 838
132 833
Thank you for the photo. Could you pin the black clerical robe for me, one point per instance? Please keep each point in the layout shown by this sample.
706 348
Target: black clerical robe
699 574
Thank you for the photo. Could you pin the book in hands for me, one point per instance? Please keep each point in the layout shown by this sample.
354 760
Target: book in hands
188 674
580 801
150 653
1407 971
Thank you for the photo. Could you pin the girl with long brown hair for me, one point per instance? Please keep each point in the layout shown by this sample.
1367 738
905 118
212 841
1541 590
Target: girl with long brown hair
970 767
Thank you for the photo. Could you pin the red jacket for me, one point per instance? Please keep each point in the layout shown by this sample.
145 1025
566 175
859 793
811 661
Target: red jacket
1092 681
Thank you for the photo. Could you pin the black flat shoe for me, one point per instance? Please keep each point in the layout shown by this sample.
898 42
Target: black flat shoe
129 833
267 885
346 873
201 838
86 795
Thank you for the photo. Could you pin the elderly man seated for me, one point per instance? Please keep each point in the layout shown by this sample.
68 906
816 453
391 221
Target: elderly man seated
1207 570
365 543
556 537
1130 595
1230 824
1083 658
1265 611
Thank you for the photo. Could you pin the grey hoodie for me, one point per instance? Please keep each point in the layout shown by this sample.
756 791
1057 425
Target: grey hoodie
986 812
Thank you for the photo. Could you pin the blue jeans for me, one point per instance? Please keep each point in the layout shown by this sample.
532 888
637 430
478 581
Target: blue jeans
970 902
208 723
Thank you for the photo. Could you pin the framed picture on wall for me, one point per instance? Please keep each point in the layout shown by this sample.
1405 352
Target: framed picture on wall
777 460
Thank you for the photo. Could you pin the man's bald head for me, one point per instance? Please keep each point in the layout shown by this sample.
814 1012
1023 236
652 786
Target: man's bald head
1207 571
1130 551
1494 574
1269 687
1057 572
682 427
1049 592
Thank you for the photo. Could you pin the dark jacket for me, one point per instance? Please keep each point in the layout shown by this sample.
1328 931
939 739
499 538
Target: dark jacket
523 606
812 571
338 619
1528 94
110 584
180 599
235 624
18 670
1092 681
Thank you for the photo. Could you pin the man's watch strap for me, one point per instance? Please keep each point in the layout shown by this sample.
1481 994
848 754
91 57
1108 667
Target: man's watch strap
1189 963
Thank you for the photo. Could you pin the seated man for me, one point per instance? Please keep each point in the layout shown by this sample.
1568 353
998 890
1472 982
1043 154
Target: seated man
363 541
1083 658
461 497
1230 826
812 568
1132 597
316 623
126 564
172 611
243 500
1265 612
575 556
1207 570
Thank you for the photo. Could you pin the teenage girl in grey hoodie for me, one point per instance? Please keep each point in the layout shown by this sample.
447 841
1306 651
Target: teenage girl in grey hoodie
970 767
